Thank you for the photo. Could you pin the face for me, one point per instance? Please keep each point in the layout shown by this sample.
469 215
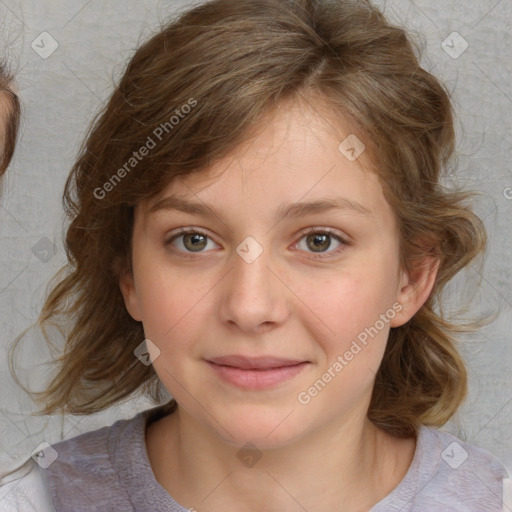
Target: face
271 318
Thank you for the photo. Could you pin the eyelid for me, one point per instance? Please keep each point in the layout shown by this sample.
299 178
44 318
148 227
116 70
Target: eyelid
317 229
189 229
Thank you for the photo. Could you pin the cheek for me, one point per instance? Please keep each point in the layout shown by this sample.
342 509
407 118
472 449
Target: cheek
349 317
345 306
351 352
170 303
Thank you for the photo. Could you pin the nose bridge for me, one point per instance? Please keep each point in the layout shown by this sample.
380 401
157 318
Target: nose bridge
252 295
250 273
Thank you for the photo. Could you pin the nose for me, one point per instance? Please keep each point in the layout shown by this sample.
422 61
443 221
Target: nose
254 296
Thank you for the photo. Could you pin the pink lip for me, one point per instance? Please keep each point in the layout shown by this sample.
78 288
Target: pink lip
254 363
256 373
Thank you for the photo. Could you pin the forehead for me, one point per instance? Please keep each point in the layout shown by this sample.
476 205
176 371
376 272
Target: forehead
295 160
296 151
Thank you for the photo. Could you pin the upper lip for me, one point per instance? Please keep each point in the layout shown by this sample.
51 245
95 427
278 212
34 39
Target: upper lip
254 363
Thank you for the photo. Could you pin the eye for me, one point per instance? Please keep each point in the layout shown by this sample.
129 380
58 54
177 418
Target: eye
319 240
189 241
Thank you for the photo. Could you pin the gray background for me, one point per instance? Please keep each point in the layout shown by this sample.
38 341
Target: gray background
62 92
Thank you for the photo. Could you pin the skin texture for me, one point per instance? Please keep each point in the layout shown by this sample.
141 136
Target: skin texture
286 303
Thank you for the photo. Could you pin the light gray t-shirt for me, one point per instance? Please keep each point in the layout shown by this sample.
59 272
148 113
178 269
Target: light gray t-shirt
109 470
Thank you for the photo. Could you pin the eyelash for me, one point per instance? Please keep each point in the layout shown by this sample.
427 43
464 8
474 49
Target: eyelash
305 232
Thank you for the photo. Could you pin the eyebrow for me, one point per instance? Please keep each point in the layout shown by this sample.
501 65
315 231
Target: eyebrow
297 209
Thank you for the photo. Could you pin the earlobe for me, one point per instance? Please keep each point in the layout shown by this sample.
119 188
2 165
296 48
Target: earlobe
415 288
127 287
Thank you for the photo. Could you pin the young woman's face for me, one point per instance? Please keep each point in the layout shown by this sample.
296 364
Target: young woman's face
266 330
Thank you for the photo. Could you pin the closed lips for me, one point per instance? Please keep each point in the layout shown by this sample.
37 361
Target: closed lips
255 363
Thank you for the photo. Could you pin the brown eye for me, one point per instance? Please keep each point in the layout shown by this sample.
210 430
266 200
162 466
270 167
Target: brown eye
318 242
189 241
194 241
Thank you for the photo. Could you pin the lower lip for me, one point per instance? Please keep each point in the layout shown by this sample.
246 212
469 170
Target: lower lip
257 379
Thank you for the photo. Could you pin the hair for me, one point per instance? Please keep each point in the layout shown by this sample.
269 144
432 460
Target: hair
235 62
10 112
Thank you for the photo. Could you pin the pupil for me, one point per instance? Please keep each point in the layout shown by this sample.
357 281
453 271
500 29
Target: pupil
196 239
320 239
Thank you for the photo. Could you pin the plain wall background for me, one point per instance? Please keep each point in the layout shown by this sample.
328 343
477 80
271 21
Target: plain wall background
62 92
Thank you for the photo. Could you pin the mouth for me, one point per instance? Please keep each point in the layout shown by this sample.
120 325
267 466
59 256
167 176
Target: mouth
256 373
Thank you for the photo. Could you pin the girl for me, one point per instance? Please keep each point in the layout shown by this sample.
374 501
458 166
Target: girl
258 229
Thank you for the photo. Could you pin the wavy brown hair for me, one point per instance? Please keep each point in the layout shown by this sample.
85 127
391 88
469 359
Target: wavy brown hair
10 112
236 61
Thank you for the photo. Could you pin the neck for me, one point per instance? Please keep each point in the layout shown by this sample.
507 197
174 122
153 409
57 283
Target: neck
351 463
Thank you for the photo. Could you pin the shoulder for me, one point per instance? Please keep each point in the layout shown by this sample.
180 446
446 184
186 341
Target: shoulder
68 473
447 473
25 490
462 455
459 474
80 468
99 469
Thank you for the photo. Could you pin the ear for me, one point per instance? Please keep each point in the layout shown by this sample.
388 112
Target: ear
129 292
414 289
